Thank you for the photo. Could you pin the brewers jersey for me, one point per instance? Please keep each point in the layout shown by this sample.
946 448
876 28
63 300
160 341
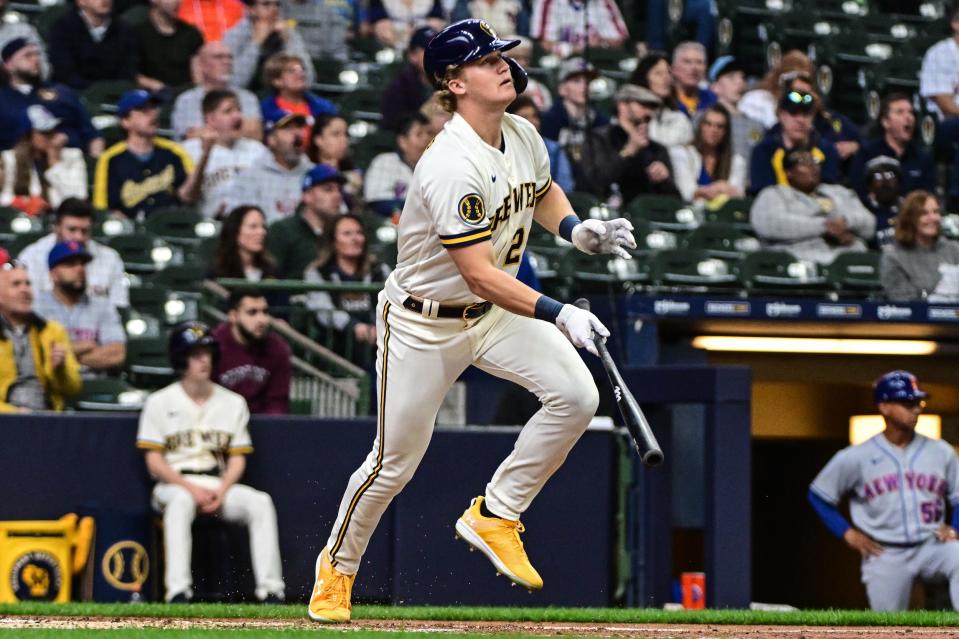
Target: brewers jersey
195 438
897 495
465 191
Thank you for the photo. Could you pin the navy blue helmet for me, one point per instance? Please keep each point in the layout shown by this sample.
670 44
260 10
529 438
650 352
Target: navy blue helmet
467 41
898 386
186 336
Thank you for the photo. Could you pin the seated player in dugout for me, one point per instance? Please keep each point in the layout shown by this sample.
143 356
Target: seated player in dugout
454 301
195 438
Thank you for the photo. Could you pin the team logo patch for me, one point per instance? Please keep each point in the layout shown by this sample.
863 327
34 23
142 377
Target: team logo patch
484 25
36 576
126 565
472 210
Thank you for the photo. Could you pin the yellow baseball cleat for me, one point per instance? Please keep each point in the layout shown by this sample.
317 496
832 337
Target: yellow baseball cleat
499 540
330 601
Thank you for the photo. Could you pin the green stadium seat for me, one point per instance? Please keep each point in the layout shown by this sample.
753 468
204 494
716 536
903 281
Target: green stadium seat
108 394
361 104
692 268
156 300
721 240
855 273
665 212
649 239
14 222
21 241
148 362
182 278
364 149
733 211
103 96
768 270
44 19
586 205
603 273
182 225
142 252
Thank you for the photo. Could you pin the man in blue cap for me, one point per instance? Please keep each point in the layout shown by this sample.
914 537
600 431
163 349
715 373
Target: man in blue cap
93 324
144 172
23 61
899 485
294 241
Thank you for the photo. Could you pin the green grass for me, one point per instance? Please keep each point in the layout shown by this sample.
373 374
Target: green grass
454 613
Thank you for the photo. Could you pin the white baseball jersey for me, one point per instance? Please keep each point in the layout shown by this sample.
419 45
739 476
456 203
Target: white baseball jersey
225 163
898 495
195 438
465 191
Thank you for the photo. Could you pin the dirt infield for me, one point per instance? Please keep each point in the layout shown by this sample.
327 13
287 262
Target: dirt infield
551 629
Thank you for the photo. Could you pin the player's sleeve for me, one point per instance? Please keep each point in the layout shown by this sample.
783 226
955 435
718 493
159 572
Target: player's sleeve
454 196
829 514
836 478
240 442
150 431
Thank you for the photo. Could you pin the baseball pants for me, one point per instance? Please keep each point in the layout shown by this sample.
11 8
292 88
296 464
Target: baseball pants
241 504
888 577
418 359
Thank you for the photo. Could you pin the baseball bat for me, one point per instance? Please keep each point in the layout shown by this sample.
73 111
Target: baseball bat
644 441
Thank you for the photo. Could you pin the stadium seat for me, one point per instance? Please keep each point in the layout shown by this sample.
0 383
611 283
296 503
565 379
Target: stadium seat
691 267
148 362
586 205
108 394
182 225
364 149
362 104
733 211
103 96
156 300
649 239
603 273
106 225
21 241
779 271
721 240
182 278
141 252
14 223
665 212
854 273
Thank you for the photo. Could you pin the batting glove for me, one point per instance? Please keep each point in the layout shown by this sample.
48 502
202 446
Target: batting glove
579 325
595 236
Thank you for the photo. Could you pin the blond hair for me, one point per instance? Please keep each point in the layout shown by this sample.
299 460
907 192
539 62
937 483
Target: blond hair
445 98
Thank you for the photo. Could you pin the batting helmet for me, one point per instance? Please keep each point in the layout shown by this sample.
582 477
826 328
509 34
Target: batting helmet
467 41
898 386
186 336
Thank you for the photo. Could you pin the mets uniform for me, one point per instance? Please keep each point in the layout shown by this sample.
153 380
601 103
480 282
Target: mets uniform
898 497
463 192
196 441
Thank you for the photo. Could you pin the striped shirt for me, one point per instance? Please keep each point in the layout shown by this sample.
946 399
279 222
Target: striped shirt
562 21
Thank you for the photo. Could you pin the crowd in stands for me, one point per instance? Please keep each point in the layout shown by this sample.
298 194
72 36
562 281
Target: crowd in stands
224 113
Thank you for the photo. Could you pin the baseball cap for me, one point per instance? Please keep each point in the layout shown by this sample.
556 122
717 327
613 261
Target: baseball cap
576 66
898 386
635 93
65 250
421 37
797 102
275 118
723 65
136 99
10 49
36 117
883 162
322 173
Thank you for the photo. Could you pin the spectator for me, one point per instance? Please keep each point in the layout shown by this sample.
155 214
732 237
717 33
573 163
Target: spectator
727 79
73 221
571 117
330 145
93 324
831 127
263 33
689 74
241 251
883 177
390 174
559 166
39 173
708 168
212 17
14 26
795 129
346 258
409 90
396 22
920 265
214 65
939 84
221 153
813 221
286 76
698 17
625 160
144 172
436 114
669 125
167 47
916 167
275 181
295 240
88 45
561 29
25 86
327 27
535 90
195 438
504 16
760 103
38 370
254 362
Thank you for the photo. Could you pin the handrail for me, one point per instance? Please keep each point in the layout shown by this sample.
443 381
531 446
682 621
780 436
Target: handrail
299 286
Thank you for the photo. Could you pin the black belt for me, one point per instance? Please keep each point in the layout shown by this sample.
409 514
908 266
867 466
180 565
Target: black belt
215 472
468 312
896 544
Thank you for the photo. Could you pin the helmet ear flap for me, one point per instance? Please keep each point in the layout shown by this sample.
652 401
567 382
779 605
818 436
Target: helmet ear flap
520 77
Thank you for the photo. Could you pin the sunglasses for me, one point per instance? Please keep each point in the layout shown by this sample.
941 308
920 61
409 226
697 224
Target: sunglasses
799 98
646 119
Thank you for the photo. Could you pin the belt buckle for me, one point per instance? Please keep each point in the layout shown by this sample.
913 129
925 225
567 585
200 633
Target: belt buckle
466 309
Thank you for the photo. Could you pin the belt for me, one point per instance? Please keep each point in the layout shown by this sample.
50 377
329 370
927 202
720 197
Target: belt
468 312
213 472
897 544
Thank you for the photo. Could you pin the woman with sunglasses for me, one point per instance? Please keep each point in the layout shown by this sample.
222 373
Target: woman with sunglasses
920 264
708 168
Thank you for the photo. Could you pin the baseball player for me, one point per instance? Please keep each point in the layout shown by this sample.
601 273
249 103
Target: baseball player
454 301
899 483
195 437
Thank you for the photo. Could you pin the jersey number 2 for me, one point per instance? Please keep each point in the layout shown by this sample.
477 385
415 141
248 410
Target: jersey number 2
515 248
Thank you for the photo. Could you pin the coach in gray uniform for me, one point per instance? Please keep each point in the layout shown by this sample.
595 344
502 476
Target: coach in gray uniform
93 324
898 484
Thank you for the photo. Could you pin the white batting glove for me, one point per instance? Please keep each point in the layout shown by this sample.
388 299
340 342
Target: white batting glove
595 236
578 325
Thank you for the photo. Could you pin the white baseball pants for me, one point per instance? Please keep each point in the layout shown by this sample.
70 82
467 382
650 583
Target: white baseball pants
418 359
241 504
888 577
